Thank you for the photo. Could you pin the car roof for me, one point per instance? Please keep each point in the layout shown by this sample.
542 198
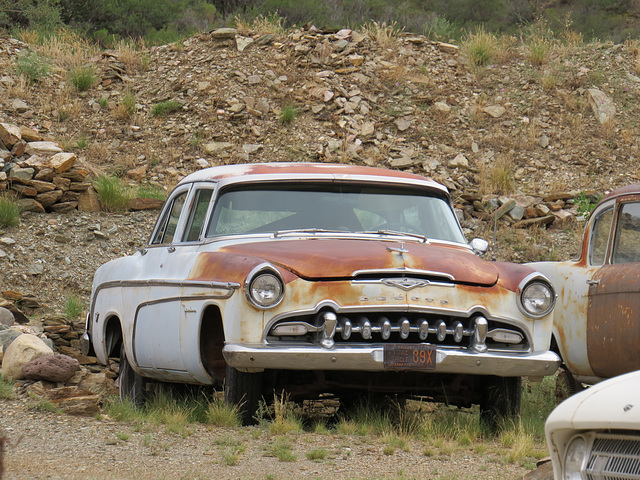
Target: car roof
632 189
319 171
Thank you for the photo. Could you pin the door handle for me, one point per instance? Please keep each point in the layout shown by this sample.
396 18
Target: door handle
593 282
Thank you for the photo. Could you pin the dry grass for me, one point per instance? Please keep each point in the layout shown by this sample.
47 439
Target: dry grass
68 50
498 177
384 35
271 24
130 54
480 47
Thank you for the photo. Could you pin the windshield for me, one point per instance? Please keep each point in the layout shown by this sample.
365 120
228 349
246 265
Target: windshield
265 209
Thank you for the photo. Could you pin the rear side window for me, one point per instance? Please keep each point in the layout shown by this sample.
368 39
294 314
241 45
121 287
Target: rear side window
169 221
600 237
626 248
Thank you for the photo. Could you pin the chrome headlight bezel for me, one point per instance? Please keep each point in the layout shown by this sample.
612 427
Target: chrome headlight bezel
270 277
574 460
526 294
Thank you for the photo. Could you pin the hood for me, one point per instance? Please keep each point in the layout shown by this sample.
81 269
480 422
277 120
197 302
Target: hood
323 259
612 404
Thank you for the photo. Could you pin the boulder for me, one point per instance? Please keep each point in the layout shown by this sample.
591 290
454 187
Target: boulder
21 351
6 317
54 368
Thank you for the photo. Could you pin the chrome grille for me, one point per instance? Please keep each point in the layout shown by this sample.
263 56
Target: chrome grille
614 457
398 327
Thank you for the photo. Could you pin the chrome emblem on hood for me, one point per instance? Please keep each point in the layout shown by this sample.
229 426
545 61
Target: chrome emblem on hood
405 283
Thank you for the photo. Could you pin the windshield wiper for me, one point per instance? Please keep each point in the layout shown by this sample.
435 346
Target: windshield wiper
307 230
396 233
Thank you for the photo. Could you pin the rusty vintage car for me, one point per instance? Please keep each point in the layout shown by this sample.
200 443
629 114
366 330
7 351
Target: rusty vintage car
595 327
320 279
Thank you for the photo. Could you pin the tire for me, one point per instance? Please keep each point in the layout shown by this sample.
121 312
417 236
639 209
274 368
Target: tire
133 387
243 391
566 385
501 399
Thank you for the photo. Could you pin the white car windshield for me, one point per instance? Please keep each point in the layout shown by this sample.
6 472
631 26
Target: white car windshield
342 208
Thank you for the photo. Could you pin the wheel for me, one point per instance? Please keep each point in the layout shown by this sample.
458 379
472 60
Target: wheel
244 391
133 387
500 400
566 385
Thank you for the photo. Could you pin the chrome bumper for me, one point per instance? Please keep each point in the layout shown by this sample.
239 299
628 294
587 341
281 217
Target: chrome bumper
370 358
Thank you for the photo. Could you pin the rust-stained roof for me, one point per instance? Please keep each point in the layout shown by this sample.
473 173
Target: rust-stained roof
320 171
632 189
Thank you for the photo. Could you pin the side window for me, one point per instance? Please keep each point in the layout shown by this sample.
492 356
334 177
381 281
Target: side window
197 215
626 248
600 237
169 221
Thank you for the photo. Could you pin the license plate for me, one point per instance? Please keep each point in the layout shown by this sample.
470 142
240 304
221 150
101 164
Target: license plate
400 356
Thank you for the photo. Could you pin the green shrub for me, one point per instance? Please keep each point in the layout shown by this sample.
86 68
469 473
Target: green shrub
151 191
32 66
73 307
480 47
113 195
6 388
9 212
288 114
126 106
163 108
82 78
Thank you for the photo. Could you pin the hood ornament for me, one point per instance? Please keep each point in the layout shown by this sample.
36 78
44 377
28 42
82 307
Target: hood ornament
399 249
405 283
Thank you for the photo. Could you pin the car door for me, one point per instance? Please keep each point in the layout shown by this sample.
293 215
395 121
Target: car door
159 333
613 329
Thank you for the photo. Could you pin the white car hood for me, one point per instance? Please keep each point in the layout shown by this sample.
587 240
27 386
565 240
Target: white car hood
612 404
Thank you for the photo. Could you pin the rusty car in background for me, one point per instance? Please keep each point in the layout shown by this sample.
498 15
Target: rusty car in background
596 329
320 279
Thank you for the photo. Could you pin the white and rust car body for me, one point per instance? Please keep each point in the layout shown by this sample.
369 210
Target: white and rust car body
319 278
596 327
595 434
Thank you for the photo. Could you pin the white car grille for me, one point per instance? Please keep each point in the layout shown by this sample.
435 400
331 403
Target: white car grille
614 457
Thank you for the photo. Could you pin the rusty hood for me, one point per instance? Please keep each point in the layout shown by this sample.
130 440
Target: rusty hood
324 259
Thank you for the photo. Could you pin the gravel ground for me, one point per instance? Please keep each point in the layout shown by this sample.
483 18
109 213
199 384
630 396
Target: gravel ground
45 445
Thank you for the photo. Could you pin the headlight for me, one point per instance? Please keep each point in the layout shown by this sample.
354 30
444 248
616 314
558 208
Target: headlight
265 289
574 459
537 298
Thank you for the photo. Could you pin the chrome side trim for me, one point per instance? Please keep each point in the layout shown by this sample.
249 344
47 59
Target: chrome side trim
370 358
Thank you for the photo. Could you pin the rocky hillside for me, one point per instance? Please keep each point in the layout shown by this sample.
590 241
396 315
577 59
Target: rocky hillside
526 130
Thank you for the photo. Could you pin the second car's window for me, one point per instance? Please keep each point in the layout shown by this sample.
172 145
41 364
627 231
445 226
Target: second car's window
627 241
600 237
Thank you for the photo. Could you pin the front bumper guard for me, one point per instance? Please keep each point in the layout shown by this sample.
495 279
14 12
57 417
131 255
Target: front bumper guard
254 358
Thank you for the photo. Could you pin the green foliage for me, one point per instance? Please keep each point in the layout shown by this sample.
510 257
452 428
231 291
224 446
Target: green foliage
282 449
480 47
73 307
9 212
317 455
126 106
82 78
32 66
43 15
6 388
439 28
220 414
113 195
586 204
163 108
151 191
288 114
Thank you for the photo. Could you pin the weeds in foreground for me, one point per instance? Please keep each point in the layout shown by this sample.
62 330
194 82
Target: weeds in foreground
126 107
261 25
9 212
282 449
6 387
